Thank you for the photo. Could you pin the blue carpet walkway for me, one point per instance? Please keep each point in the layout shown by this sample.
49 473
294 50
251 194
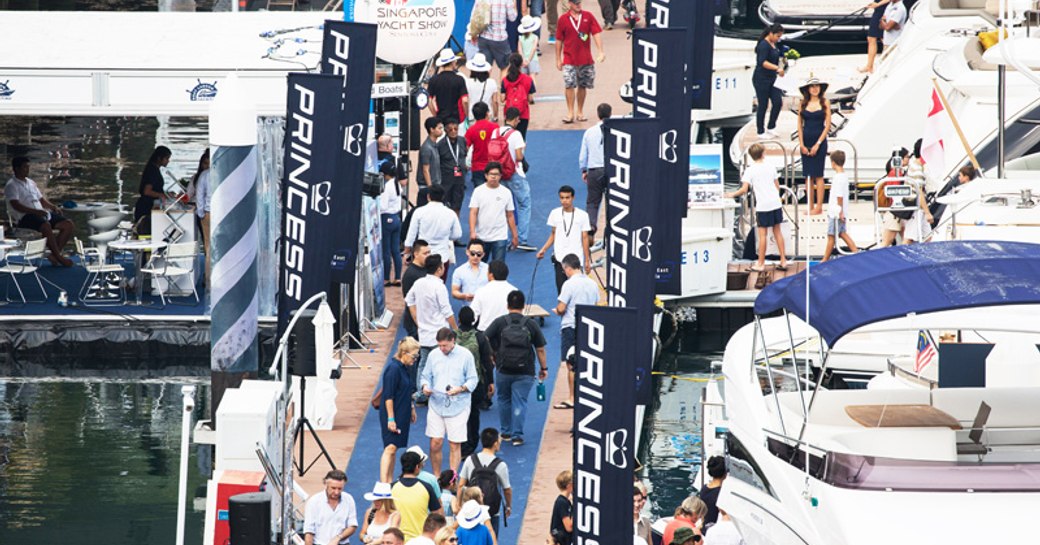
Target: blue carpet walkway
553 157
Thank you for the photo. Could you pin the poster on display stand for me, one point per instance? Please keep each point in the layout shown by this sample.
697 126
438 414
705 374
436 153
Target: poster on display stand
705 175
374 242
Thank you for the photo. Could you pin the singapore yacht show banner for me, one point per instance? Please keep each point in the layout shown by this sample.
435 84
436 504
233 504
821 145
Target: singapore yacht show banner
697 16
658 91
604 424
631 153
349 51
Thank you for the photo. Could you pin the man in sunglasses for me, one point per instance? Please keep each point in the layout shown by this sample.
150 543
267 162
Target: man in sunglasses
471 275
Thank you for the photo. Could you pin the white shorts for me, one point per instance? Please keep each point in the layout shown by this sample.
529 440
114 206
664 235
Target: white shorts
454 426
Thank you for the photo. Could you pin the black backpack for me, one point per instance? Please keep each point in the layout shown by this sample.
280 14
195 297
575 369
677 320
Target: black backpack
487 480
514 345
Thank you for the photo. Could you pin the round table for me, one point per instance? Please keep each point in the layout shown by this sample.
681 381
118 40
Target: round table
138 247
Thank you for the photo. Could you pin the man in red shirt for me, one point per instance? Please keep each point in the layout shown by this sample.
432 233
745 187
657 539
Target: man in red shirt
477 137
574 55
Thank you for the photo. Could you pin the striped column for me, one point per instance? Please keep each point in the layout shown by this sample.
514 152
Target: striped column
233 236
234 245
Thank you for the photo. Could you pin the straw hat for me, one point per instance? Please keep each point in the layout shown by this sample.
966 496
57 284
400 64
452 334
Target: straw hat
472 514
447 56
813 81
418 450
381 491
529 24
478 63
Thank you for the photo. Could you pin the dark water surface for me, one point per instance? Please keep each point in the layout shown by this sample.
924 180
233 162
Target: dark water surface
92 462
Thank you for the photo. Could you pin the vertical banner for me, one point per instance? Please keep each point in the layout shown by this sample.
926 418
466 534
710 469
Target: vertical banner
631 148
658 91
699 17
349 51
604 424
312 218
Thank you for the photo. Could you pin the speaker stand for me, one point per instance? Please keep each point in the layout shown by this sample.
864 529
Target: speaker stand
302 423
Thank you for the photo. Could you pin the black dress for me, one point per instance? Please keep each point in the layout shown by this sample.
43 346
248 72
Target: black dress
151 177
812 127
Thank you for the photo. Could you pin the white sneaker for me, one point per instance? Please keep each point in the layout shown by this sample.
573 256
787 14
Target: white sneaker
765 136
772 134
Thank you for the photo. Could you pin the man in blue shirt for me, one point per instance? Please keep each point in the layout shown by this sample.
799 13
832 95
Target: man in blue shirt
447 379
470 275
577 290
590 159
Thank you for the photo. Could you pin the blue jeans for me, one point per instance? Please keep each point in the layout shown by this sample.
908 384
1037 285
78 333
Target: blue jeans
424 352
512 392
391 244
522 202
495 249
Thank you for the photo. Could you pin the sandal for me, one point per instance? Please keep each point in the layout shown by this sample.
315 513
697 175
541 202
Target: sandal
567 121
754 269
563 405
781 267
582 119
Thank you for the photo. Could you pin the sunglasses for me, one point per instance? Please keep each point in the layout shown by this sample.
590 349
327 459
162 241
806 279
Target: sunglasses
477 254
453 539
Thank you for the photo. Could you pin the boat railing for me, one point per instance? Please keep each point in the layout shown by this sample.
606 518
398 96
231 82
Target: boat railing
855 163
790 375
746 223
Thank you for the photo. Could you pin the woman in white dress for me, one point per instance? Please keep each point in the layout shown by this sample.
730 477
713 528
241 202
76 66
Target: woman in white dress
481 88
919 227
382 514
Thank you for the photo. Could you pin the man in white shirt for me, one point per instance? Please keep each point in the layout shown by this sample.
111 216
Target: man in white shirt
569 235
892 22
436 224
577 290
330 517
489 302
429 306
491 217
518 183
471 275
590 159
29 209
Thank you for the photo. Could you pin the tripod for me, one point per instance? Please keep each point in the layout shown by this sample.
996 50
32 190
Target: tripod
302 422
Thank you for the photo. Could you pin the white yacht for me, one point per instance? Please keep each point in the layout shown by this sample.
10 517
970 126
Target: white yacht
945 456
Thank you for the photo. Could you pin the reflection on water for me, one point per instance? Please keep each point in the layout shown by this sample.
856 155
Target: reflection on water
673 455
100 158
93 462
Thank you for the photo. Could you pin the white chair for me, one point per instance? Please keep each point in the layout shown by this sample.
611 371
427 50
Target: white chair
102 239
104 283
104 223
29 263
178 260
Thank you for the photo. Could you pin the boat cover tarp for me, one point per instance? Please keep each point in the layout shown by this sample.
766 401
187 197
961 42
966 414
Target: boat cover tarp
869 287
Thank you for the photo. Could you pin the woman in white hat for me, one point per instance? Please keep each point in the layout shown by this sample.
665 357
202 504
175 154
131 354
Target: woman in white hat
814 123
481 88
382 514
527 46
470 519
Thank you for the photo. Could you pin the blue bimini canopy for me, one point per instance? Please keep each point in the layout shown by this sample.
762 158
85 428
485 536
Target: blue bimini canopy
869 287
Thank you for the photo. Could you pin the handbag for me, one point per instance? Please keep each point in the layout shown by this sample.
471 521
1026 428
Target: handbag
377 399
911 206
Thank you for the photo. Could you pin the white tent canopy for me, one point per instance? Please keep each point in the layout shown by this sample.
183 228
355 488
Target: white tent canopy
147 64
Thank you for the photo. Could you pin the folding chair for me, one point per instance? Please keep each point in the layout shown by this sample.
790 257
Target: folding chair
176 261
29 263
104 283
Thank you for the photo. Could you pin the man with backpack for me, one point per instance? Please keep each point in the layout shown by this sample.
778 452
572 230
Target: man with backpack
477 343
487 28
491 217
490 473
513 337
512 140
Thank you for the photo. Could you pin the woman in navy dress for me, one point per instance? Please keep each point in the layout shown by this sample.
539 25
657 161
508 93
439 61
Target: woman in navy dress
814 122
396 413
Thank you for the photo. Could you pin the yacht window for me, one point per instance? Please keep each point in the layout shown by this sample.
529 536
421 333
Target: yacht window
796 457
742 466
878 473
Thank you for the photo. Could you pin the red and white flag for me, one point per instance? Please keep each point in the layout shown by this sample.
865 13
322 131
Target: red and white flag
925 351
932 140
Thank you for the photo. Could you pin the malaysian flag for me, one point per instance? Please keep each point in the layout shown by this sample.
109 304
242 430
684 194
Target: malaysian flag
925 351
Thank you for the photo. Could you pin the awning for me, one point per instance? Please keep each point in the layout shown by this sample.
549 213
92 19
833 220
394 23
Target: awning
148 64
869 287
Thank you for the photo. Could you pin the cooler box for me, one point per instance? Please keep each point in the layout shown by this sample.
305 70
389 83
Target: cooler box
246 416
706 252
